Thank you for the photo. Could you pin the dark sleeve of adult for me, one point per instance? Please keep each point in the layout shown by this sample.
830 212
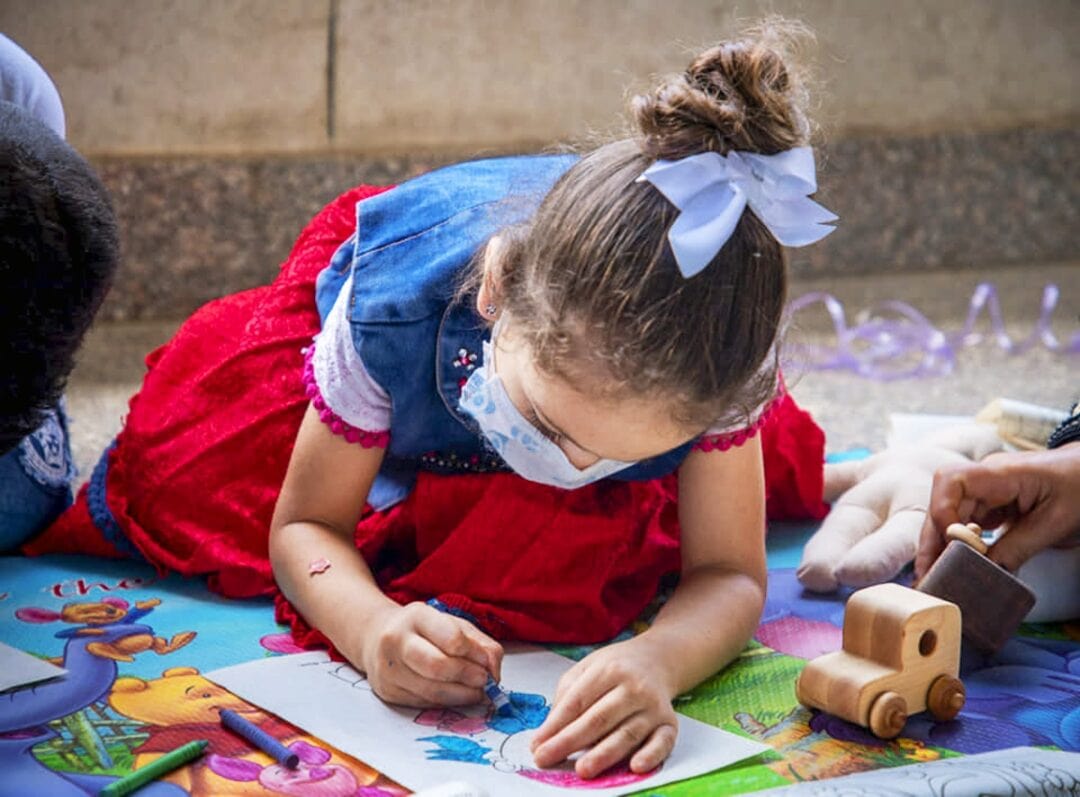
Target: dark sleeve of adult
1068 431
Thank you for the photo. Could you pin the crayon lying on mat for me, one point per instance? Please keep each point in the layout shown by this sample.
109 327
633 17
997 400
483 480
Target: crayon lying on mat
260 738
155 769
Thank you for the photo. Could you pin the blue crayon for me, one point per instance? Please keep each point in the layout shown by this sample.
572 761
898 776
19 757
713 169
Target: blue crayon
497 695
260 738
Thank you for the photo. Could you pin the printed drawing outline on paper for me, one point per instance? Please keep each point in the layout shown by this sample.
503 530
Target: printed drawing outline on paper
487 736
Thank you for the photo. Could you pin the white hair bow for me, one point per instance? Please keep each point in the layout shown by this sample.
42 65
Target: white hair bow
711 190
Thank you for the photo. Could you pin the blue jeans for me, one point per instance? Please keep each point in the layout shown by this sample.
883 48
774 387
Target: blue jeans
35 481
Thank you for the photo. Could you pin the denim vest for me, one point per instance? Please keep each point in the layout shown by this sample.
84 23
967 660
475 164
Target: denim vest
410 248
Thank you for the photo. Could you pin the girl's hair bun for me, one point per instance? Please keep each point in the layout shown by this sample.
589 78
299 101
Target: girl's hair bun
742 94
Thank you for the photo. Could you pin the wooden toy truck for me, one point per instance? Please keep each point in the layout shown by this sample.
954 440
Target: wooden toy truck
901 655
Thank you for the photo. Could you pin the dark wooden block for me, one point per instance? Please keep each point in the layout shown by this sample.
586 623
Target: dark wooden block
992 600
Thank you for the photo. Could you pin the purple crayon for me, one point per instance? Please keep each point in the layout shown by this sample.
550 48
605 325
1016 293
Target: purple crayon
260 738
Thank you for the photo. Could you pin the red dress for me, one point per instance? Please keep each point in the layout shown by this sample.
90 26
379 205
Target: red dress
191 482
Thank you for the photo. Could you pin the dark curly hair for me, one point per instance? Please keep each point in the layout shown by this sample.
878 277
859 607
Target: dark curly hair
58 250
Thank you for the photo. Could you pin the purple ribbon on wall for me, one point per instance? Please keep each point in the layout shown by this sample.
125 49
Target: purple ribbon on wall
908 345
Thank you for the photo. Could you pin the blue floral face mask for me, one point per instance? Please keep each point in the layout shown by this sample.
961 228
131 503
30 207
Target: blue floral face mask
520 444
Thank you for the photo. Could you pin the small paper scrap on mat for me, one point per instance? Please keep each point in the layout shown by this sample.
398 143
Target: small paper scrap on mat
21 669
487 747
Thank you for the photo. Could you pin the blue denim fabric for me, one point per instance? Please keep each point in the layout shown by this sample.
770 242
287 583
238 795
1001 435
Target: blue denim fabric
406 259
35 481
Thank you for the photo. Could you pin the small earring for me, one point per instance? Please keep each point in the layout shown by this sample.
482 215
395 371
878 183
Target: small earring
490 309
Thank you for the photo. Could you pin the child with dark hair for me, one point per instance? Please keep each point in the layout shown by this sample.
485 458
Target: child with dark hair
58 251
513 358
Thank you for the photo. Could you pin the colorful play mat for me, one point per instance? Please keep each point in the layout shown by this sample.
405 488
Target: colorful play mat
136 645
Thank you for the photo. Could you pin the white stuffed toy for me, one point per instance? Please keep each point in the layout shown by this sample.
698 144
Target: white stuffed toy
879 508
879 505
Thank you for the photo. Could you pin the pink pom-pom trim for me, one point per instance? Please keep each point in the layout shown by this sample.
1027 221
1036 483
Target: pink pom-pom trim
337 425
722 442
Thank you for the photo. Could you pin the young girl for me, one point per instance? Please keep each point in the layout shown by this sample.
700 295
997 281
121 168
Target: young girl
514 358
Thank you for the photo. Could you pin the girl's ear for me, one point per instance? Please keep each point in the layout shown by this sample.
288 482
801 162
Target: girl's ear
489 296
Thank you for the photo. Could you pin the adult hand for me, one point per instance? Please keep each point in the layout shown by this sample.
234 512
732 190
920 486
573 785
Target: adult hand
415 655
879 505
614 703
1036 494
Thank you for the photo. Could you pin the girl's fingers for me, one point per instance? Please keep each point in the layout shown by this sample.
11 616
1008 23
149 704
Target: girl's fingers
570 677
656 750
460 638
428 692
590 726
398 696
623 740
574 702
429 662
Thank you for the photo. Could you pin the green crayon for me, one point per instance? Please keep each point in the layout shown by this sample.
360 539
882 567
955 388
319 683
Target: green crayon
155 769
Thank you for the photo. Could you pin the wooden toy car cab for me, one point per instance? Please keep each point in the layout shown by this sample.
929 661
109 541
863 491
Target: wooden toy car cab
901 655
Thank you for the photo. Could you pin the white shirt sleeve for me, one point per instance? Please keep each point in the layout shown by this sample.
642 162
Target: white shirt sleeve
340 378
24 83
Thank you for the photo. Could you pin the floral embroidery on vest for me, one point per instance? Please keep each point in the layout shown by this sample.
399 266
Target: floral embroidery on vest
466 360
449 462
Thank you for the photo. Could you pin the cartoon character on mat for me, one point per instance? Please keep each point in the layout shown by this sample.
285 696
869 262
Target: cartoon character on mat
500 738
182 705
106 632
314 777
93 617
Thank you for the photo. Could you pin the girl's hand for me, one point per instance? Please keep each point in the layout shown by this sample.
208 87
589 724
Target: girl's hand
616 702
418 656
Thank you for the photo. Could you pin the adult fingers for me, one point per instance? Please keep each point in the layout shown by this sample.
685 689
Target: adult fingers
591 725
880 556
931 544
1041 528
459 638
842 528
959 494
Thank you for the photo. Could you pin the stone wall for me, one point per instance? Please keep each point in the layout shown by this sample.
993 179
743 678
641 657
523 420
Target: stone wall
950 134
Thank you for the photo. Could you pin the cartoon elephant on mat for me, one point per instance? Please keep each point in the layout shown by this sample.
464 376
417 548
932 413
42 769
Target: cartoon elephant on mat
90 655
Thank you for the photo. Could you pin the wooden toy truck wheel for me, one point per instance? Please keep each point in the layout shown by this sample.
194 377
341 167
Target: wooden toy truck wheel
888 713
945 698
